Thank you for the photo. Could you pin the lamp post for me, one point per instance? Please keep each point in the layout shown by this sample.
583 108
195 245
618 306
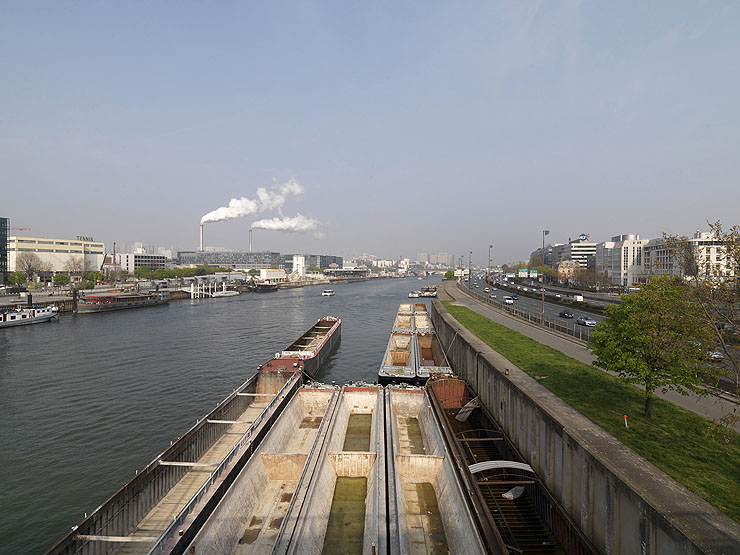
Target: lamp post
544 232
488 278
470 274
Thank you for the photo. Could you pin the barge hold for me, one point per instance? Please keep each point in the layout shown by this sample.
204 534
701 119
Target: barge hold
309 352
428 512
398 361
345 506
430 358
512 507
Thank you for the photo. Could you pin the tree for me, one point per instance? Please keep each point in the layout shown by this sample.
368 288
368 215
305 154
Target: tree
75 265
61 279
17 278
29 263
657 339
94 276
450 274
143 272
123 275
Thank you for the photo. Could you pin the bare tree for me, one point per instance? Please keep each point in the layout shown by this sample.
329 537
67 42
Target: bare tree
75 265
28 262
710 268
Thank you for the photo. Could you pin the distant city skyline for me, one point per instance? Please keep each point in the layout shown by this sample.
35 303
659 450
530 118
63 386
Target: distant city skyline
411 127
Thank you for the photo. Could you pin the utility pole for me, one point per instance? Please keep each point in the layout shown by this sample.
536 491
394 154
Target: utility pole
544 232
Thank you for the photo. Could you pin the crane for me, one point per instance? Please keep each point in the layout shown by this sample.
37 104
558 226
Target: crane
20 228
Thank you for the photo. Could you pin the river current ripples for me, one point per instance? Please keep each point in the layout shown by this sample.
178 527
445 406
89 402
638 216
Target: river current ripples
87 401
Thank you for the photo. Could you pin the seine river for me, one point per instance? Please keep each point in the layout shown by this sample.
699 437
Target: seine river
87 401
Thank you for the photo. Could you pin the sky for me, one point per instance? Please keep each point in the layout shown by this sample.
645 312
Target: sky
410 126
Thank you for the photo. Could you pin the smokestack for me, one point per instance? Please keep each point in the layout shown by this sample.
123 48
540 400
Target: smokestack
250 240
201 238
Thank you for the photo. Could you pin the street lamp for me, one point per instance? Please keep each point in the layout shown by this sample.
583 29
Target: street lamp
470 262
488 278
544 232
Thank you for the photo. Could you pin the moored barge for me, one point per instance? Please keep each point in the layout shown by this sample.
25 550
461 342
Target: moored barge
309 352
103 302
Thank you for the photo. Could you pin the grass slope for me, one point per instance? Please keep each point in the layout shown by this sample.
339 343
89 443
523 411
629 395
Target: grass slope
676 440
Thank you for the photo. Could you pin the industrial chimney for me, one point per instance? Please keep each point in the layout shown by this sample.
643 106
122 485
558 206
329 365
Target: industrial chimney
250 240
201 238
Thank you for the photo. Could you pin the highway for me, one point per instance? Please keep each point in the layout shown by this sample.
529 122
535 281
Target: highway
552 310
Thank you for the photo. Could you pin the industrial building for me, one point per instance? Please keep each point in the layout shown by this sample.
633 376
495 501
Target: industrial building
237 260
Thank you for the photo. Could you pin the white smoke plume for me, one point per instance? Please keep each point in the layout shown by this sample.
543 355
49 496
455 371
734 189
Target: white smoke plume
299 223
272 199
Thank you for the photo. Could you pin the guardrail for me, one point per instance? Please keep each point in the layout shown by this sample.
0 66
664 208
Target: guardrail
581 333
162 543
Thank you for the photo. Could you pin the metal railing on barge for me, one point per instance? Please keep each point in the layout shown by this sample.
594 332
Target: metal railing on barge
110 525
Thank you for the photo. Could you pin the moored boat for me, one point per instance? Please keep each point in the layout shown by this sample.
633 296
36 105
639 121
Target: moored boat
27 315
103 302
224 292
414 295
263 287
310 350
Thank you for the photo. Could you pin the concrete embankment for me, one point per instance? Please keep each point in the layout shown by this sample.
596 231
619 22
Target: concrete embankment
621 502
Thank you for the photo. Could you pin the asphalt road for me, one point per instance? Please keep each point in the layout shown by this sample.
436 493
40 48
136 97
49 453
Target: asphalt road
707 406
552 310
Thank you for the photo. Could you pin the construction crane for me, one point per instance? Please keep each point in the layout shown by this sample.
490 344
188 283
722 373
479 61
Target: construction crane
19 228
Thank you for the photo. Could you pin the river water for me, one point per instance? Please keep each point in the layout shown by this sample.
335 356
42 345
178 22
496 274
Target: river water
87 401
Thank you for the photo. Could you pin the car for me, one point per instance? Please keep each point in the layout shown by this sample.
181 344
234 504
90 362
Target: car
486 289
495 289
715 356
492 295
586 321
508 300
515 297
566 314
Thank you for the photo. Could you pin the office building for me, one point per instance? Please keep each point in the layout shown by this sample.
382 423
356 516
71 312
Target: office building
131 261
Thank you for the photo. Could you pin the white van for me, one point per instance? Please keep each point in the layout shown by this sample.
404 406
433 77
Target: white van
508 300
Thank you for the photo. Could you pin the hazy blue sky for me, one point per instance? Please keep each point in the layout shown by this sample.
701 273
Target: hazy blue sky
412 126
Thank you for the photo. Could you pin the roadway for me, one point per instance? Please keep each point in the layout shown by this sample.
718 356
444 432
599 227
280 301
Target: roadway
708 406
552 310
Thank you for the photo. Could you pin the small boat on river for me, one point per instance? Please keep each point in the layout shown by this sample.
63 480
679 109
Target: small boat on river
27 315
327 293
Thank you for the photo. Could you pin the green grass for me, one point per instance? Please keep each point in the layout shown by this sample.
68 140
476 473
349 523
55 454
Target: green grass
676 440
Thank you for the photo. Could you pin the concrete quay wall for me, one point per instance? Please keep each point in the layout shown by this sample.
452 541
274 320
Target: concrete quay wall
621 502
